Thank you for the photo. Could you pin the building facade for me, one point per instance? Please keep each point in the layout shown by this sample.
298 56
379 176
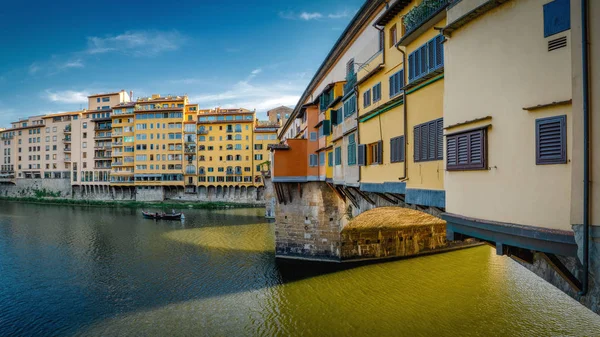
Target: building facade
153 148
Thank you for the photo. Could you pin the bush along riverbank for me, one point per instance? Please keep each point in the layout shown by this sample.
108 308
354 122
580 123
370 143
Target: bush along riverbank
132 204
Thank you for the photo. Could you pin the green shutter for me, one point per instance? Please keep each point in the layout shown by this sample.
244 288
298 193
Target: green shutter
326 127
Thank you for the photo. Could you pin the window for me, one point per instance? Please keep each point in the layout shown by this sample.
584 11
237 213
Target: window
377 92
105 99
322 159
393 36
312 160
350 68
557 17
397 149
350 106
258 157
313 136
84 145
352 149
258 146
330 159
85 125
367 98
551 140
374 153
466 150
396 83
338 155
426 59
428 141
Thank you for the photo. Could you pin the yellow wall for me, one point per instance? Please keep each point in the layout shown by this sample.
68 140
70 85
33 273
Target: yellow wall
498 80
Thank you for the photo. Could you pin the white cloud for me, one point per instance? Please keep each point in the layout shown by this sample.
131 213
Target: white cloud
248 95
339 15
67 96
256 71
136 43
310 16
307 16
54 66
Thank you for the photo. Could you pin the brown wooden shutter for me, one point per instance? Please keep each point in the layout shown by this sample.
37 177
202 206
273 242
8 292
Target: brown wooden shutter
380 152
451 151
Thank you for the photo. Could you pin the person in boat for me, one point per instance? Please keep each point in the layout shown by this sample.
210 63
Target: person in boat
173 211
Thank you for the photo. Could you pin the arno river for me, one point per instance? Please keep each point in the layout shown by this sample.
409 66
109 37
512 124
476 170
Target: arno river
107 272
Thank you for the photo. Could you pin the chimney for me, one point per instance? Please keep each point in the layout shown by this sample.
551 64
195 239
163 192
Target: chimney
131 95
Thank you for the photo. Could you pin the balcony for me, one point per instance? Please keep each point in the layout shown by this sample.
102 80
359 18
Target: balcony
67 129
116 163
350 83
67 149
102 158
190 149
202 132
103 136
117 144
117 154
421 18
102 128
67 139
103 147
67 159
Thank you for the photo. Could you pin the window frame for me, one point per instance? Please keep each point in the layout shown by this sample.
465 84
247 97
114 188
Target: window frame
562 159
483 165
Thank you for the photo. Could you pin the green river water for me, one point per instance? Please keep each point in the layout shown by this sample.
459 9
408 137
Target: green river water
107 272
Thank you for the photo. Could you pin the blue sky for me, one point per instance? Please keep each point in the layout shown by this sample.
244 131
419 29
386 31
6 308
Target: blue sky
252 54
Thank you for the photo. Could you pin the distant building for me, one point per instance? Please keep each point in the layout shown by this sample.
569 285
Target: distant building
280 114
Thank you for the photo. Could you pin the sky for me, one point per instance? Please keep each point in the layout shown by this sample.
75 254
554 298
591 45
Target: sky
251 54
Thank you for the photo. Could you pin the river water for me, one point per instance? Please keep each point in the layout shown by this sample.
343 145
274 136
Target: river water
107 272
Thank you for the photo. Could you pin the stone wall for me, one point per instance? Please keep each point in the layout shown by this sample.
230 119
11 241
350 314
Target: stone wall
232 194
146 194
541 268
308 224
32 188
385 243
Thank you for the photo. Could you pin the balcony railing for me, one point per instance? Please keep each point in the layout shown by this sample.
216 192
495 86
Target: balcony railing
117 163
421 13
67 129
67 139
117 144
202 132
67 149
102 128
350 83
190 149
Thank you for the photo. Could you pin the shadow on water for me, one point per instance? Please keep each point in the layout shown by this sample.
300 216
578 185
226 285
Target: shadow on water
66 267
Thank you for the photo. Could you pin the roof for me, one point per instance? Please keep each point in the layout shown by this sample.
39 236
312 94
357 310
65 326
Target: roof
278 147
392 218
106 94
391 12
62 114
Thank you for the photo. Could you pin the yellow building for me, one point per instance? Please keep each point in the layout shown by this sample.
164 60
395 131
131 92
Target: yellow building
123 147
401 90
265 133
225 147
158 143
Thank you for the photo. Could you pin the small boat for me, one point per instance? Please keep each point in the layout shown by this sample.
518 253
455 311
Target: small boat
162 216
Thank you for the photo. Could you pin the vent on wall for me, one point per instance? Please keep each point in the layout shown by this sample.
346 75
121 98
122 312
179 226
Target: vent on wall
557 43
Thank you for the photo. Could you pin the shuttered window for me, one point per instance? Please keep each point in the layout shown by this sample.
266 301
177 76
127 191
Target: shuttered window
334 116
397 149
362 154
322 159
467 150
350 106
312 160
352 150
551 140
313 136
396 83
427 58
376 92
338 155
367 98
330 159
428 141
326 127
557 17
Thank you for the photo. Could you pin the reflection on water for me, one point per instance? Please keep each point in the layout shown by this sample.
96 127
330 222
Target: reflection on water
91 271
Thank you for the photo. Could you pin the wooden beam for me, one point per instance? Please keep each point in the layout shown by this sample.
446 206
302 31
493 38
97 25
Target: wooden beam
289 187
386 198
363 195
340 195
350 196
562 270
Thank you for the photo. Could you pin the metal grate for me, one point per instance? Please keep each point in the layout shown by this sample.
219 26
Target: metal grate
557 43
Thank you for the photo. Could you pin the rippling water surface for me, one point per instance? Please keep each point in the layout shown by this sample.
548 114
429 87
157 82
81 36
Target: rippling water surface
107 272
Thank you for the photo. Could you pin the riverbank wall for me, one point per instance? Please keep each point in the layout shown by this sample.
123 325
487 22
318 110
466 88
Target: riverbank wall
62 188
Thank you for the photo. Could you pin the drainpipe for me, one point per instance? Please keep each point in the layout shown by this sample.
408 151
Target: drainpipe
405 176
586 147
